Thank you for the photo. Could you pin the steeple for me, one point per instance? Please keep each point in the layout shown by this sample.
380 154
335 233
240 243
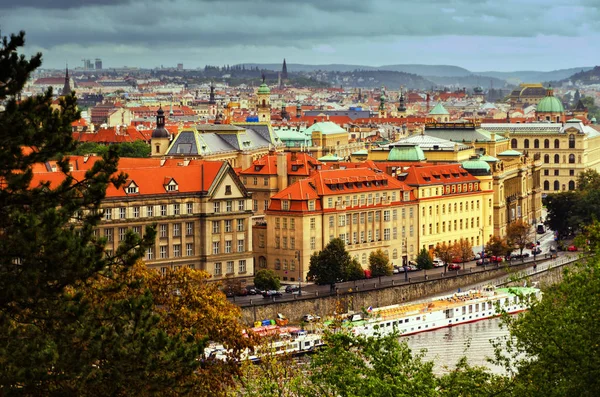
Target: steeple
67 87
401 103
382 112
211 98
359 95
284 72
298 110
284 114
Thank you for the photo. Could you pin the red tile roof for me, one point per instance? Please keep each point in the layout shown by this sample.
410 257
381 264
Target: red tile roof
267 165
437 175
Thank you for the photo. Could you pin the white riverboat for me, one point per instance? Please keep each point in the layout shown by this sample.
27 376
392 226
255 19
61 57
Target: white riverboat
446 311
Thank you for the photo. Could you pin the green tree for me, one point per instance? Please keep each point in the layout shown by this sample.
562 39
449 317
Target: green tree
84 148
518 234
75 320
424 260
497 246
330 265
353 271
267 279
557 347
134 149
379 264
564 214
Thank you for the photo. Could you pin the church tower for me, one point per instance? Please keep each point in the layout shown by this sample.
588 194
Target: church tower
401 105
161 138
382 111
212 103
284 73
263 105
67 87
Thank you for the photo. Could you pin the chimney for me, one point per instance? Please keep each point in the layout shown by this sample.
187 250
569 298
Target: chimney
282 175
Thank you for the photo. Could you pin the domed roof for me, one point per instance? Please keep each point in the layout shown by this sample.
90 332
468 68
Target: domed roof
550 104
160 131
264 89
406 153
477 167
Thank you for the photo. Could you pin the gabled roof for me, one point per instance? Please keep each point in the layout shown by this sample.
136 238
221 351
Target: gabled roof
298 164
437 175
325 128
438 109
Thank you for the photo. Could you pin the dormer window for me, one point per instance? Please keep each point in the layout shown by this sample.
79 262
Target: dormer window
257 168
294 168
285 205
132 188
172 188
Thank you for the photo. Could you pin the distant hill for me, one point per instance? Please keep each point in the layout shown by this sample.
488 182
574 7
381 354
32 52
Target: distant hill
469 81
531 76
587 77
422 70
374 79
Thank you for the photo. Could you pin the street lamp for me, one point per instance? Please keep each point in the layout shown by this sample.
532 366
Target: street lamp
300 273
482 244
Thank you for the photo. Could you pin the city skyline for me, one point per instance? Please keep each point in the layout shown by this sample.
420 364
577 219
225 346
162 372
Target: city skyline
508 36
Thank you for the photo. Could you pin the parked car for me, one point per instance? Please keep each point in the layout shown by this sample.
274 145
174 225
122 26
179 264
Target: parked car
253 290
309 318
484 261
572 248
496 259
438 263
412 268
456 259
292 288
271 293
536 251
398 269
241 292
453 266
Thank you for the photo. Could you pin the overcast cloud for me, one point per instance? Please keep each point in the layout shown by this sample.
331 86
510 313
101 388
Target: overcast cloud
478 35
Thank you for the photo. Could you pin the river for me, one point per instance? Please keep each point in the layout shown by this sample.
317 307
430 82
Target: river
447 345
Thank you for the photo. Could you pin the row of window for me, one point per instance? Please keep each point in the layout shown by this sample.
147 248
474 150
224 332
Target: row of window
265 181
368 199
149 211
284 244
217 206
458 225
228 248
458 207
557 159
176 252
255 205
556 185
536 143
218 268
557 172
163 229
227 225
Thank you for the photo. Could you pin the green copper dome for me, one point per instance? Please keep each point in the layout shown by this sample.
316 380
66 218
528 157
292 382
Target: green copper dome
264 89
406 153
550 104
477 167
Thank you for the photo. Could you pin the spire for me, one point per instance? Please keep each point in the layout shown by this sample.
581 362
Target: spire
160 117
284 72
401 104
211 99
67 87
550 90
298 110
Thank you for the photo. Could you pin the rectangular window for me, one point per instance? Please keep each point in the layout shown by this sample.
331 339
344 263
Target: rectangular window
277 223
176 229
122 231
369 235
284 221
149 210
163 232
136 212
228 228
255 205
265 181
176 250
403 213
285 205
240 246
164 254
189 228
312 223
395 215
330 202
370 217
292 243
216 227
362 237
190 208
176 209
217 207
137 230
228 206
240 225
386 215
394 233
362 218
331 221
228 247
216 249
122 213
150 253
242 266
163 210
229 267
313 244
266 204
311 205
284 245
241 205
189 249
108 214
341 220
377 237
218 269
292 223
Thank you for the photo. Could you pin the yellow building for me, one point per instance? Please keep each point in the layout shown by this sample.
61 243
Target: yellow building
366 208
526 94
452 204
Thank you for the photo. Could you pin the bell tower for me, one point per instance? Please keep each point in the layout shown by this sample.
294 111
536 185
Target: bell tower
263 104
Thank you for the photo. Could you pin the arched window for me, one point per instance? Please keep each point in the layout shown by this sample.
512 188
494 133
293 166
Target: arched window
547 158
571 159
571 185
556 144
546 185
546 144
513 143
262 262
556 158
571 141
556 185
536 144
526 143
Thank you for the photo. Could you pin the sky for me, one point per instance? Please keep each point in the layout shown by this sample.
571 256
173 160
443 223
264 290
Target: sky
479 35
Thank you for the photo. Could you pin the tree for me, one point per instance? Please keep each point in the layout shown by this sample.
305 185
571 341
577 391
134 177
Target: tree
497 246
557 348
379 264
518 233
330 265
463 249
267 279
444 252
353 271
588 180
424 260
563 212
134 149
74 319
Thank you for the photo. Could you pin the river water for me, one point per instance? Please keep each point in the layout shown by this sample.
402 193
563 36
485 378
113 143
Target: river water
447 345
